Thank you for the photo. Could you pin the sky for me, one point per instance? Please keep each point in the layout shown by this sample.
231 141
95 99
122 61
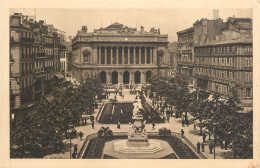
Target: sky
170 21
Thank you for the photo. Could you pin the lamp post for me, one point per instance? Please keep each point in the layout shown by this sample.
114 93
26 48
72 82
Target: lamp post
69 131
214 127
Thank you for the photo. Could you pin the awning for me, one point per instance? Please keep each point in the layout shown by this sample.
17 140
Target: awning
50 98
60 76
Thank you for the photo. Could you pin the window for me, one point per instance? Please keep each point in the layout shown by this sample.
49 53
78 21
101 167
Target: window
228 50
233 49
214 50
248 62
247 92
248 76
86 55
248 49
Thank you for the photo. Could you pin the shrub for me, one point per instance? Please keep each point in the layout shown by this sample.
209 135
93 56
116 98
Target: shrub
164 132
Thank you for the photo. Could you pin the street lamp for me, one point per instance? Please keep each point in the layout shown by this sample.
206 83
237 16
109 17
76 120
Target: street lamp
214 127
69 131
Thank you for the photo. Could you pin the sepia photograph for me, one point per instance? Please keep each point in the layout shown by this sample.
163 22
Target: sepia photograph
130 83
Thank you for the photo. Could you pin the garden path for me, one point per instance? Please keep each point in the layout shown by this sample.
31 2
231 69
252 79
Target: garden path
174 124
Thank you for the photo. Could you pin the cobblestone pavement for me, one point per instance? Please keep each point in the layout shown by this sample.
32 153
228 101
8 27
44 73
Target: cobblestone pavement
174 124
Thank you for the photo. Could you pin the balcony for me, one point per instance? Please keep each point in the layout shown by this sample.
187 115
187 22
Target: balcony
63 47
15 75
27 40
49 45
39 55
39 74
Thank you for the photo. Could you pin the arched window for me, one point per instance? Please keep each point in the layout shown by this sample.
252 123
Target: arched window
86 56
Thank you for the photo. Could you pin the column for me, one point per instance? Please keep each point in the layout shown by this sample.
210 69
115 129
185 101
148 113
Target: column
123 55
111 55
105 55
140 54
117 55
128 53
145 55
134 54
155 56
151 54
99 53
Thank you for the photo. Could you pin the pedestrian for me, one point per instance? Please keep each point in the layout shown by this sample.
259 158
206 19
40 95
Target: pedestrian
80 135
118 125
164 119
182 133
187 122
226 145
198 147
153 124
74 155
221 144
168 118
202 146
92 123
91 118
194 126
183 122
76 148
74 132
204 137
210 148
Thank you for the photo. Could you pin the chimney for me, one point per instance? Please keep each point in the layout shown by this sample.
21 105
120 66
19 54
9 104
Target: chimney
215 14
84 29
142 29
159 31
41 21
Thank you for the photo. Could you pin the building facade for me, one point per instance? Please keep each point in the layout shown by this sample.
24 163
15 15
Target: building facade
201 32
225 67
120 55
31 61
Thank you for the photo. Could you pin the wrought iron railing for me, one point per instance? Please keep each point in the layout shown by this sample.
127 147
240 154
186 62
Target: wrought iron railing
175 134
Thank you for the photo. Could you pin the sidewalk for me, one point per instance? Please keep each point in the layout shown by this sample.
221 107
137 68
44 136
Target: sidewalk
174 124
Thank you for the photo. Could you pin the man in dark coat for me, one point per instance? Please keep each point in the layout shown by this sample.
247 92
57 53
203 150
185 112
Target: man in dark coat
183 122
198 147
210 148
202 147
76 148
153 124
204 137
91 118
182 133
92 123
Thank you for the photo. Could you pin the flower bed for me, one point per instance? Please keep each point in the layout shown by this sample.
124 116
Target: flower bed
124 117
96 145
127 111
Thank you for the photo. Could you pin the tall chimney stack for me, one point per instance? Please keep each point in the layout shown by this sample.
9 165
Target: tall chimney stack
215 14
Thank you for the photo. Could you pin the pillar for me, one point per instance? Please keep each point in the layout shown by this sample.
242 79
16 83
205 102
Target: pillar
117 55
134 55
111 56
155 56
151 54
123 55
105 55
99 53
128 54
140 54
145 55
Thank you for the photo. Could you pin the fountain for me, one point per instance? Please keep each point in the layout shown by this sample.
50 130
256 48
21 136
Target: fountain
137 146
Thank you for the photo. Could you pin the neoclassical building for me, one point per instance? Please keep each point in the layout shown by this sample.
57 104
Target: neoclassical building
119 54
